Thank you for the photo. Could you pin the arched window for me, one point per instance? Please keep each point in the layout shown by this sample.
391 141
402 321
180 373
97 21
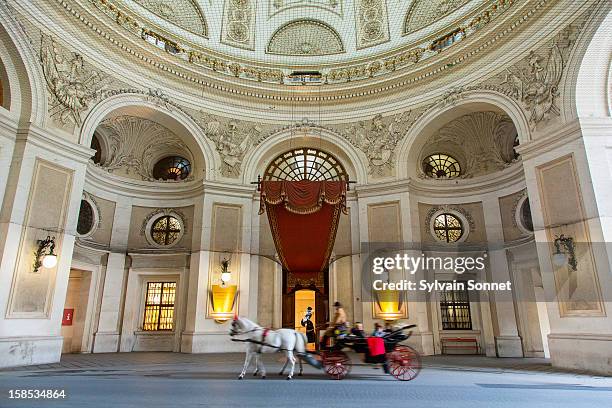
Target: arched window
172 168
441 165
166 230
448 228
95 144
306 164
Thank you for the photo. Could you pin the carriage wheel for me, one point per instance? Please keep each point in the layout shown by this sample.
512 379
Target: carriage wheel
404 363
336 364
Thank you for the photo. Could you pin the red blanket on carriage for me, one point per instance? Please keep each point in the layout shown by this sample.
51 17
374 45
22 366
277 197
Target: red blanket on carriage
376 346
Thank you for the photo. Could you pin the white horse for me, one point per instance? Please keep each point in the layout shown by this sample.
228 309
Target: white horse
261 340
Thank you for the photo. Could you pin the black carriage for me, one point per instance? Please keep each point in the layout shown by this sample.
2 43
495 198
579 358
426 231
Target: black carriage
401 361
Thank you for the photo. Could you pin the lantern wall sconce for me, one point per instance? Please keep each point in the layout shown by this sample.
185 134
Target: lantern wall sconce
45 255
226 275
565 252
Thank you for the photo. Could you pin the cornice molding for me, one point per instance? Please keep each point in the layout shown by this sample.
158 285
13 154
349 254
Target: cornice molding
98 179
45 139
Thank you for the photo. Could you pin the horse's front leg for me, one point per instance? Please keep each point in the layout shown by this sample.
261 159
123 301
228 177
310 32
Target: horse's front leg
247 361
291 358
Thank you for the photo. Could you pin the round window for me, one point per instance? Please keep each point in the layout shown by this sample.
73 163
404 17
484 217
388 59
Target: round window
86 221
441 166
447 228
166 230
525 215
172 168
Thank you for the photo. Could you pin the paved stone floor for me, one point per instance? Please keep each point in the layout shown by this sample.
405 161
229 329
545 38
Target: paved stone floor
183 380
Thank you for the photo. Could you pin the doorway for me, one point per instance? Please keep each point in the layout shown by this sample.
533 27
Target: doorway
75 322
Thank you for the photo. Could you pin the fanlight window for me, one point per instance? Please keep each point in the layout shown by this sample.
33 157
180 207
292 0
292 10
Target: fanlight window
441 166
447 228
306 164
166 230
172 168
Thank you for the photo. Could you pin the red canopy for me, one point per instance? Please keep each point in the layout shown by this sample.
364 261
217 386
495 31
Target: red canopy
304 218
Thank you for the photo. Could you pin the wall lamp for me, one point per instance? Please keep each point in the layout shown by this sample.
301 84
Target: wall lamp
223 297
226 275
44 254
565 252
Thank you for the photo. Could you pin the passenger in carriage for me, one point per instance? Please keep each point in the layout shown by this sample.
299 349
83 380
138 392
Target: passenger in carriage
357 330
378 330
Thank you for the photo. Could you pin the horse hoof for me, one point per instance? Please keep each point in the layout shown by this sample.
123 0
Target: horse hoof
263 377
289 378
255 374
281 373
240 377
300 374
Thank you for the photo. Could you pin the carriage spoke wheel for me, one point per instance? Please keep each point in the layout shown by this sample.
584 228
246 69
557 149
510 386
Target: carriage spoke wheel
404 363
336 364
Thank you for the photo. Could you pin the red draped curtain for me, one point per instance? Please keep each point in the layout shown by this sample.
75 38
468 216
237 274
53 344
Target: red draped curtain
304 218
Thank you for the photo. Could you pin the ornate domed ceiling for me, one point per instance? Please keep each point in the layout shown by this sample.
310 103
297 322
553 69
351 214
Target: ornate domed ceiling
260 30
241 37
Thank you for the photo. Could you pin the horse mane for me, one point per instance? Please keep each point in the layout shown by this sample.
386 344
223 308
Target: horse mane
248 324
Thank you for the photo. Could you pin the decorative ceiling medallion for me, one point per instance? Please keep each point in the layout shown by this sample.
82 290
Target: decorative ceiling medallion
305 37
425 12
185 14
239 23
371 22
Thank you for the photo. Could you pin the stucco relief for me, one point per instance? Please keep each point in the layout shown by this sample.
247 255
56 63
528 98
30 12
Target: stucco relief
378 138
305 37
184 13
232 139
135 144
484 141
535 80
371 22
239 23
72 83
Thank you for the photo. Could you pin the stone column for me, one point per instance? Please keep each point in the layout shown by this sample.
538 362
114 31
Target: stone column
44 185
507 340
225 231
106 338
568 175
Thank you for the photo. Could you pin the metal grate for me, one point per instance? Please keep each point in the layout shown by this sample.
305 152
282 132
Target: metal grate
455 310
166 230
305 164
159 306
448 228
